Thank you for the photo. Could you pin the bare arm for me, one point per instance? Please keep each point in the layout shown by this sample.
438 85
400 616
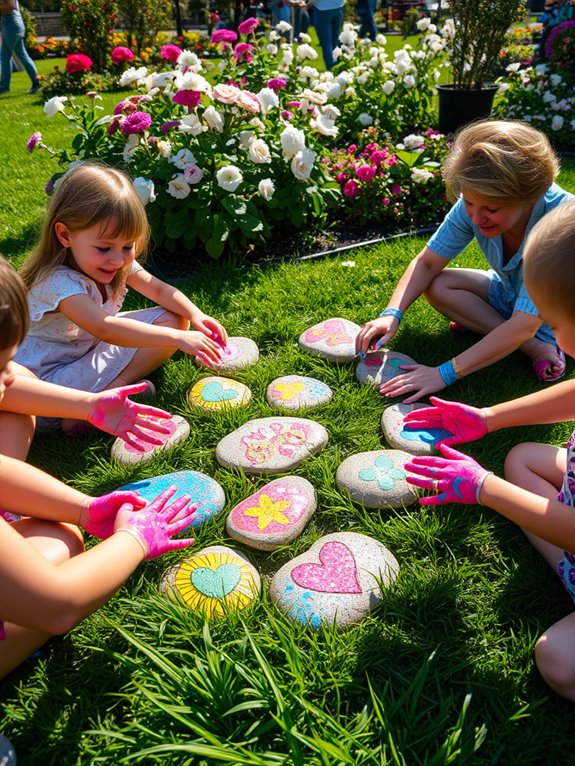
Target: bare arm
552 405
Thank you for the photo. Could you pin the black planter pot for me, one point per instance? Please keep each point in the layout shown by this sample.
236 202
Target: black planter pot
460 106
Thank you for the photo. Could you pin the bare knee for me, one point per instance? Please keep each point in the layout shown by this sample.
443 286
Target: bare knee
437 290
56 541
176 321
518 462
555 659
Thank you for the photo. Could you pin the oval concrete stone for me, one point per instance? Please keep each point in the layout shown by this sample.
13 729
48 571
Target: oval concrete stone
271 445
125 453
215 394
296 392
337 581
273 516
380 366
421 441
332 339
377 479
239 353
205 492
213 581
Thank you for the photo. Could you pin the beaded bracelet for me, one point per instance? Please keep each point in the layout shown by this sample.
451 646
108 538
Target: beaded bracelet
457 368
448 373
391 312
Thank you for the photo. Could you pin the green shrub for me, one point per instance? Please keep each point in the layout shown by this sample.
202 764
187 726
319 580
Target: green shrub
91 23
143 19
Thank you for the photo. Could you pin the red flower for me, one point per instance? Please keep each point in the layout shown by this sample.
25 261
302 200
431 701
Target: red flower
78 62
171 52
189 98
121 54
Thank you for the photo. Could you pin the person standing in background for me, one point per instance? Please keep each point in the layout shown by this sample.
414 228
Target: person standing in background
12 28
366 12
327 18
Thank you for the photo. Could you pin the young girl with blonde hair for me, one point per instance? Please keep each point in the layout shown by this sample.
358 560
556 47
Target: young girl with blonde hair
539 490
502 175
77 278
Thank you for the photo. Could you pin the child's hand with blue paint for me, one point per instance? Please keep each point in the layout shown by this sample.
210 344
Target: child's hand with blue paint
455 476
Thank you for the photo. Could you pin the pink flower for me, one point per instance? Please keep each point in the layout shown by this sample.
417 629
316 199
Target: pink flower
124 107
294 104
378 156
351 149
78 62
167 126
341 177
286 115
366 172
223 36
189 98
138 122
385 200
33 141
249 101
114 125
170 52
121 54
351 189
248 26
276 83
243 52
396 190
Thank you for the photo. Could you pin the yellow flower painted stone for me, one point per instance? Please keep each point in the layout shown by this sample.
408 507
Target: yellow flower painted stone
297 392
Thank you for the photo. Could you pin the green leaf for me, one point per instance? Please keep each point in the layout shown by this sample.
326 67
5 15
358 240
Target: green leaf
234 205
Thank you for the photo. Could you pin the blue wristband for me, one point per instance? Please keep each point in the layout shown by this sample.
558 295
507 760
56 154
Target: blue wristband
392 313
447 372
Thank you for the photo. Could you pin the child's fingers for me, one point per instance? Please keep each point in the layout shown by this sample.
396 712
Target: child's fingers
452 454
175 545
134 388
418 481
172 510
144 436
147 411
160 501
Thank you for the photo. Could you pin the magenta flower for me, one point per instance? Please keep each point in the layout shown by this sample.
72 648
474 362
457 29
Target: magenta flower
276 83
366 172
396 190
341 177
249 25
378 156
33 141
286 115
223 36
171 52
49 186
167 126
114 125
351 189
189 98
243 52
121 54
138 122
78 62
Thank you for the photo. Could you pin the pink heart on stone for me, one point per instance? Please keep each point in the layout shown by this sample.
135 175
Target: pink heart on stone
337 572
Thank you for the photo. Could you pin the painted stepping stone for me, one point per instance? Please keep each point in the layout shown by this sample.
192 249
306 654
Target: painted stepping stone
338 580
376 479
215 394
214 581
271 445
205 492
295 392
422 441
125 453
273 516
239 353
333 339
383 365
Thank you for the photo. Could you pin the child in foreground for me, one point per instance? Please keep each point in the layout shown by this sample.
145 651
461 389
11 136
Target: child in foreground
539 490
77 278
502 174
49 584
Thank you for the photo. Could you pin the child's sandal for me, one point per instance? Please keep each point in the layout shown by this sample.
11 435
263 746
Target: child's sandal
549 371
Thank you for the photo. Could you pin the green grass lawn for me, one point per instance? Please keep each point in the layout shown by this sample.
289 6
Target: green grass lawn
441 672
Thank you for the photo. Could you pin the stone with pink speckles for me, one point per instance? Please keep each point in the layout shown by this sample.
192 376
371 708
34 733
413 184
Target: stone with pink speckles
275 515
381 366
125 453
239 353
297 392
377 479
332 339
271 445
337 581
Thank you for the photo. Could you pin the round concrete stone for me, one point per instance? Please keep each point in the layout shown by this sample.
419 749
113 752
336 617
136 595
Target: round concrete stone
271 445
205 492
215 394
214 581
376 479
239 353
296 392
125 453
336 581
333 339
421 441
383 365
273 516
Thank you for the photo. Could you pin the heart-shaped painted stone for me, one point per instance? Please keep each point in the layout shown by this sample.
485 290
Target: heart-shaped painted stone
215 392
216 583
337 572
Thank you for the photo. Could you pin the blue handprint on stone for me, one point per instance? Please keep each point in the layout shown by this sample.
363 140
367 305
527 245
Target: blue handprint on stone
426 435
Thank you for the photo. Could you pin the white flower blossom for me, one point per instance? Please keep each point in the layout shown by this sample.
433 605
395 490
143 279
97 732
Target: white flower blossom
130 147
365 119
548 96
334 91
557 122
348 36
302 164
304 38
192 81
336 53
283 26
214 119
305 51
266 189
324 126
423 24
513 67
292 141
413 141
259 152
555 80
331 112
189 60
388 87
191 123
178 187
409 81
268 99
164 148
133 76
145 189
271 49
54 105
229 177
421 175
183 158
246 139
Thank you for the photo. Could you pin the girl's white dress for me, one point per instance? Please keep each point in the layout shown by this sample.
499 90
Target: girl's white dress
57 350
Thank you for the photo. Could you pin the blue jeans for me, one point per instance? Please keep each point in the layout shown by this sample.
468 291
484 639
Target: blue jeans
12 28
328 26
365 11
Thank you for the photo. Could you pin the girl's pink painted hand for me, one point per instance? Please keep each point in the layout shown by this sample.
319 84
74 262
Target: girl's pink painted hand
457 477
210 327
115 414
465 423
99 516
155 525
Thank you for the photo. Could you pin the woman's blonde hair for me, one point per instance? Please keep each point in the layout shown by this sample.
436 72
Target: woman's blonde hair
505 161
548 258
14 317
87 195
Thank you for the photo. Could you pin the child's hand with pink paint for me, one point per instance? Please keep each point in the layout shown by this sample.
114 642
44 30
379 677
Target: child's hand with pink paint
464 423
455 476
